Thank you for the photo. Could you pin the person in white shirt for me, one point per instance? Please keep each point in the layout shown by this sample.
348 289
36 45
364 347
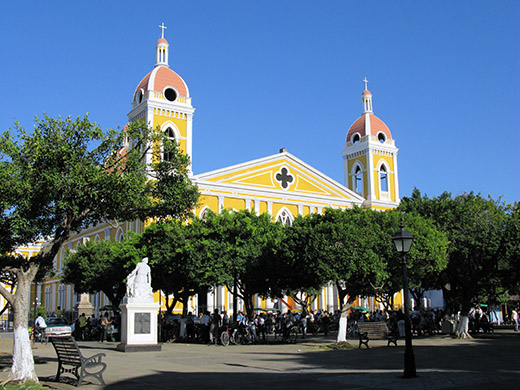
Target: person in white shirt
514 317
39 325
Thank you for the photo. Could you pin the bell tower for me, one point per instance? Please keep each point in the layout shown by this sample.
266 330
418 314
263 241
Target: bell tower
370 159
162 100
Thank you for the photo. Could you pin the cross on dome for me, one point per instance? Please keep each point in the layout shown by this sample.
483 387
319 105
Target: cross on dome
162 48
163 27
366 83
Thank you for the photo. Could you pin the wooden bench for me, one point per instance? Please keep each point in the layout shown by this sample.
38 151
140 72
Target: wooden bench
374 330
70 355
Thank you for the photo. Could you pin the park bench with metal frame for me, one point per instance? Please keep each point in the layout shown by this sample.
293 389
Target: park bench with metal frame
81 367
375 330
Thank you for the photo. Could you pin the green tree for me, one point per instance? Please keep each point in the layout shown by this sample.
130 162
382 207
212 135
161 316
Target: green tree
70 174
181 259
338 247
103 266
425 261
475 228
353 249
300 274
510 266
247 244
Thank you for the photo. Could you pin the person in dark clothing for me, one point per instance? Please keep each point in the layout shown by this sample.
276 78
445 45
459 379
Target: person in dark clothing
216 322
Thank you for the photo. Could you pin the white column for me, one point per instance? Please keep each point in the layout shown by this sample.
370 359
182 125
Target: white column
189 141
211 301
396 177
221 298
372 176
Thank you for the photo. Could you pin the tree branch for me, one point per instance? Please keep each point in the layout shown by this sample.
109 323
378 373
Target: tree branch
7 295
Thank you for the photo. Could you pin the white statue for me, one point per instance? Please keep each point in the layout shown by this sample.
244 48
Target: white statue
139 283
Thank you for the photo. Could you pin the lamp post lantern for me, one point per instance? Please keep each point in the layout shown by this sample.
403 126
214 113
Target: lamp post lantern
403 242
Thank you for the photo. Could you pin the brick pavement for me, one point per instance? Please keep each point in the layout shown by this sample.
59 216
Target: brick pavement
486 362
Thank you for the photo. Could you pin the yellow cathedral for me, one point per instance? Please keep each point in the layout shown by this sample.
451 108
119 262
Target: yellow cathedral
280 184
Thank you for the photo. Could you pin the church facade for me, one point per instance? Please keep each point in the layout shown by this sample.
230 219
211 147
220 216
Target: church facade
280 184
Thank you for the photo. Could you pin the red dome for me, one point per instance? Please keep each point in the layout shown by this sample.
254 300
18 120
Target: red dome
376 126
366 92
161 77
162 40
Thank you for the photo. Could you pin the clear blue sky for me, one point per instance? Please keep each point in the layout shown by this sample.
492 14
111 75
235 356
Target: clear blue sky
270 74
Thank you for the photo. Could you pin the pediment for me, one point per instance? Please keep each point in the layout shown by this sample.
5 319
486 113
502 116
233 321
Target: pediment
283 173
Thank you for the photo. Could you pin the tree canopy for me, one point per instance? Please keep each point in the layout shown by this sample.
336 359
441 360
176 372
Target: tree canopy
247 244
183 258
475 227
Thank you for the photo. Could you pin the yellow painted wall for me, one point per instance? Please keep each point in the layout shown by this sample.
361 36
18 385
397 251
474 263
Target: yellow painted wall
207 200
234 203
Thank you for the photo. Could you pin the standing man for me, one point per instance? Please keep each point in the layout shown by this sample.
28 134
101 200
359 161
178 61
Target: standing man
82 326
216 322
514 318
104 327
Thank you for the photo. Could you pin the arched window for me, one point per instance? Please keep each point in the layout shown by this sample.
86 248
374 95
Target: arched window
284 216
167 154
358 180
120 234
204 213
383 179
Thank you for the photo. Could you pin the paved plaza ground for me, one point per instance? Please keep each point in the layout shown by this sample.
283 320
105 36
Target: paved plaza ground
486 362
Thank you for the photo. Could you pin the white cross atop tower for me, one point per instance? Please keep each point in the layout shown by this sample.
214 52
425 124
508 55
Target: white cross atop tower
163 28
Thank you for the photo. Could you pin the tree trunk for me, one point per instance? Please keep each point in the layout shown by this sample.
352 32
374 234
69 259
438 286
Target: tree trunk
170 306
417 294
23 362
342 329
462 328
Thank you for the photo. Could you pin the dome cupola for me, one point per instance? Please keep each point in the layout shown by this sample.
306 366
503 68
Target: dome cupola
162 79
368 123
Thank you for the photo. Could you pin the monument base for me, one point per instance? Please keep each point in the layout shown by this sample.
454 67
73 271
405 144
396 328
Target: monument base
139 327
139 347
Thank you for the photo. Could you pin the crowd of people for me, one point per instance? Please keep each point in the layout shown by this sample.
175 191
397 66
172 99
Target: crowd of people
207 327
94 329
258 326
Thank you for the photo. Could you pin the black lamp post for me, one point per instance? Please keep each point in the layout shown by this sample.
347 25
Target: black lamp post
403 242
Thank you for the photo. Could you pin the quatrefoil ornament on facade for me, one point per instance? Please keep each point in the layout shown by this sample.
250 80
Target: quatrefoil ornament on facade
284 178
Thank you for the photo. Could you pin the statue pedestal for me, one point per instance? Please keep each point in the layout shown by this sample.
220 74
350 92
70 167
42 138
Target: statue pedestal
139 327
83 306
